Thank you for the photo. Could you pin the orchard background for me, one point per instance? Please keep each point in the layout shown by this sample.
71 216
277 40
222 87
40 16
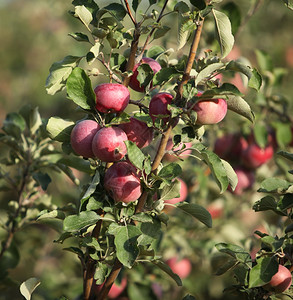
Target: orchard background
42 183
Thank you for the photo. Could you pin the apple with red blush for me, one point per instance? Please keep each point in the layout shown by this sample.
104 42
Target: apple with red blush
134 83
210 111
81 137
181 267
216 209
138 132
108 144
122 182
159 106
111 97
281 281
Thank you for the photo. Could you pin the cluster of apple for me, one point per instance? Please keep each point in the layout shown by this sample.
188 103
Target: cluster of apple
90 140
245 155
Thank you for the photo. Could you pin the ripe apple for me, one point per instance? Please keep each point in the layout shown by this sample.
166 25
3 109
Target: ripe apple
230 146
216 209
254 156
138 132
82 136
184 154
159 106
122 182
134 83
246 179
108 144
210 111
111 97
182 267
183 193
281 281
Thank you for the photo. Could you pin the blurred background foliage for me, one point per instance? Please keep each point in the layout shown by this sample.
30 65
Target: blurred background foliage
34 34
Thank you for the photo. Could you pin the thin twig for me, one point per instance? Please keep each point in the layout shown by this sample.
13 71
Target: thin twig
152 31
129 12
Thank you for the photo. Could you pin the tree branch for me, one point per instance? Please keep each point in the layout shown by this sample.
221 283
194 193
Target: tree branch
129 12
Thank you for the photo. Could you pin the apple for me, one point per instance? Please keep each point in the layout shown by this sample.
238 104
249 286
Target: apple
134 83
108 144
182 267
138 132
216 209
289 56
122 182
111 97
246 179
183 155
81 137
230 146
281 281
210 111
183 193
159 106
254 156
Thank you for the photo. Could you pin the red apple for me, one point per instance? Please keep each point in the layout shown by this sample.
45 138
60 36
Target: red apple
111 97
134 83
159 106
183 193
108 144
184 154
216 209
254 156
181 267
246 179
210 111
230 146
82 136
122 182
138 132
281 281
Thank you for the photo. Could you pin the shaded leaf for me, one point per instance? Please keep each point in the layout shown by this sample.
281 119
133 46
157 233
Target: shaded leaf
241 107
80 37
164 267
135 155
235 251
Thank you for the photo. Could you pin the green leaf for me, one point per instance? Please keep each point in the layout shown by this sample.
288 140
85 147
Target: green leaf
93 53
289 4
35 120
42 179
14 124
261 134
170 171
197 211
267 203
234 14
142 217
241 107
101 272
126 244
164 267
235 251
223 32
59 129
85 16
222 262
160 32
117 10
59 72
206 72
263 271
155 51
185 27
164 75
286 202
255 81
91 188
78 222
273 185
217 168
135 155
171 191
52 215
145 74
79 89
135 4
232 176
77 163
264 60
28 287
200 4
80 37
283 133
150 232
287 155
